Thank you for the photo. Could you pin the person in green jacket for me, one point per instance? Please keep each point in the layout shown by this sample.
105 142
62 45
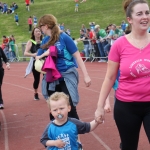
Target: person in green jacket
101 41
12 49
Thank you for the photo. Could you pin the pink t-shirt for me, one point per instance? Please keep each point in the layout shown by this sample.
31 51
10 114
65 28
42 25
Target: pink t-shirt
27 1
134 80
29 21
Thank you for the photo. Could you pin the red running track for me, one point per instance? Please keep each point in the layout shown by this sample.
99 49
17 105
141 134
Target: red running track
24 120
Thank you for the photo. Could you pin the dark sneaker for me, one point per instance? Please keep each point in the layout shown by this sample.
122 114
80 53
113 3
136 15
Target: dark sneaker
79 146
1 106
36 97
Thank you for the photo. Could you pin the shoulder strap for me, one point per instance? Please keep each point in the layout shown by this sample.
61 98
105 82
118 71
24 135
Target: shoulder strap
34 42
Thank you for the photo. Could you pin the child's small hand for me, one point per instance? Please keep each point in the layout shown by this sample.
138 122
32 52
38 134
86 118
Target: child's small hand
59 143
99 122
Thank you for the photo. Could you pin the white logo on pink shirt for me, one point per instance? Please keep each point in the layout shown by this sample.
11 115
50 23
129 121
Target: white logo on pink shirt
139 68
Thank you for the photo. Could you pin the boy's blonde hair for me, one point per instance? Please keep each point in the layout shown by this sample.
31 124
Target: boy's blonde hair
56 96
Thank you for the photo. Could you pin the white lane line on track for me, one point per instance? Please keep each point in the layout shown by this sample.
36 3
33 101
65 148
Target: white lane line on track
41 93
5 130
30 76
100 141
111 96
18 86
95 135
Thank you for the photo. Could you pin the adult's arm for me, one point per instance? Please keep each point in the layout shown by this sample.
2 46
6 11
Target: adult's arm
109 80
28 48
46 53
71 47
4 58
81 64
107 107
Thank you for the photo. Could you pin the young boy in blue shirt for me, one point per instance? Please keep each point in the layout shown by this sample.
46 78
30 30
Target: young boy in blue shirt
76 7
62 132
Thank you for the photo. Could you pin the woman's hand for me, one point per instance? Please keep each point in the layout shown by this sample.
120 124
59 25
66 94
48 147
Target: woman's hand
107 108
38 57
99 115
7 66
34 55
81 64
87 81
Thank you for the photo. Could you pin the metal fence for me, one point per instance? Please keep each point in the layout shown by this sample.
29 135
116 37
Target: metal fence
20 48
92 53
19 51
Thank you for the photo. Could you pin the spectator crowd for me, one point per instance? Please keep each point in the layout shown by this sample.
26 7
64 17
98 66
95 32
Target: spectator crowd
98 40
5 9
8 46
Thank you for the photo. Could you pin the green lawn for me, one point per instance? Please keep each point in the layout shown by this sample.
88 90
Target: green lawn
102 12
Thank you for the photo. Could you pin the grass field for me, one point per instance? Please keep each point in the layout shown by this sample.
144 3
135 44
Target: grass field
102 12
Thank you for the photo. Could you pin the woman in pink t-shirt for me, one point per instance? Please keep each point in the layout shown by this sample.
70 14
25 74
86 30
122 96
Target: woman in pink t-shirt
131 55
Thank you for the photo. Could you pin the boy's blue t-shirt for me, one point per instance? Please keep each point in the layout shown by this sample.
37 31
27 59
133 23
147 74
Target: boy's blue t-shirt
5 6
62 27
16 17
35 20
66 48
123 26
68 132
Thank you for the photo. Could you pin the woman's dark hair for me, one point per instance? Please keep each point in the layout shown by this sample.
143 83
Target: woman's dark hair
88 30
32 34
10 39
129 4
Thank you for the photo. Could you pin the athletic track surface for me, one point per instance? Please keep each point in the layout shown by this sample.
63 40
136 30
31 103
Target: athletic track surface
23 120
